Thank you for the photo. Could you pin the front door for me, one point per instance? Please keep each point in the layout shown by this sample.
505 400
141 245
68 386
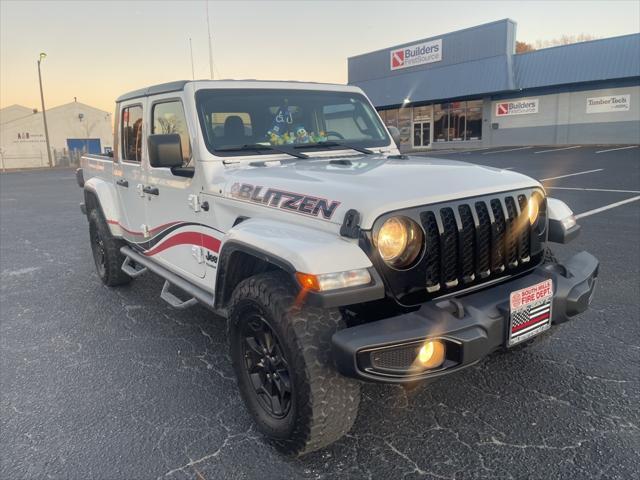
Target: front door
421 134
174 217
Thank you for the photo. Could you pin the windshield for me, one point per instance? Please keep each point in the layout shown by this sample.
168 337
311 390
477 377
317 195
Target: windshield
287 119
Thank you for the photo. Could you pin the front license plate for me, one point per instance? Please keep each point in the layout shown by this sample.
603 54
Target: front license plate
530 312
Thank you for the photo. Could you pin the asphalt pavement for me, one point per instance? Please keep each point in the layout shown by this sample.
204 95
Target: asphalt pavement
99 383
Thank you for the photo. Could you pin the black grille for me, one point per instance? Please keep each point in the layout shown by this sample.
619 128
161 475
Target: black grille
432 254
500 242
467 242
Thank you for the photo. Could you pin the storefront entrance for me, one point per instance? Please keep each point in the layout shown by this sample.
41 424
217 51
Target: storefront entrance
421 134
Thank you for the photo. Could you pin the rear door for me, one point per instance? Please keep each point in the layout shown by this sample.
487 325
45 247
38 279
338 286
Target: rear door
178 239
128 170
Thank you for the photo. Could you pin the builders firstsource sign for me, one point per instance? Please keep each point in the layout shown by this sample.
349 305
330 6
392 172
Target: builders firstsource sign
417 54
519 107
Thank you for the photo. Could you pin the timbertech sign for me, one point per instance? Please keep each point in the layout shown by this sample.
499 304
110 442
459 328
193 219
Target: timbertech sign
613 103
519 107
417 54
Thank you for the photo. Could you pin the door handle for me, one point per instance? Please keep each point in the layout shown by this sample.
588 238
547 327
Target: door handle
123 183
151 190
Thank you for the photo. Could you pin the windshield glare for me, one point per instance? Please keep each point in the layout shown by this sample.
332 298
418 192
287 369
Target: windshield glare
281 118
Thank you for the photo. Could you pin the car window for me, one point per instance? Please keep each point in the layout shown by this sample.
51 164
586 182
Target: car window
233 118
131 133
169 117
345 118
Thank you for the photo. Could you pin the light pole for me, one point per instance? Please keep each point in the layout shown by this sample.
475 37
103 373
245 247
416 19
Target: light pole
209 42
44 113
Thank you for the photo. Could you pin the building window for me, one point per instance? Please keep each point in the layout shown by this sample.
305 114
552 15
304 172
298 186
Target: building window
441 123
392 118
474 120
132 133
168 117
404 125
457 121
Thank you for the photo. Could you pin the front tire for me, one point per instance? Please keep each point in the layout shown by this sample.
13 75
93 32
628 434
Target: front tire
106 252
282 360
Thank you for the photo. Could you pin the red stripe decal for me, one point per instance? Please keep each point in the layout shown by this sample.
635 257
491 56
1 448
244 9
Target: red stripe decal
530 322
187 238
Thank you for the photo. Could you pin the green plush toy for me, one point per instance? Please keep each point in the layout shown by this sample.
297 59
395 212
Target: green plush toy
320 137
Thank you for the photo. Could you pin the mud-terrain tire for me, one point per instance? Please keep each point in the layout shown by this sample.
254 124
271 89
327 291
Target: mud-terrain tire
322 404
106 251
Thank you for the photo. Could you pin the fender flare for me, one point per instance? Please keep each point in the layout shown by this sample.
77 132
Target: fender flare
557 211
106 200
295 248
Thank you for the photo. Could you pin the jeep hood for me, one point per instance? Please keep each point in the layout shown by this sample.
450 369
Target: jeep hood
374 185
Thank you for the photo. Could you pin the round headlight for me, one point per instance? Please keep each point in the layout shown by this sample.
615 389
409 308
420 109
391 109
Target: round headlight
536 208
399 241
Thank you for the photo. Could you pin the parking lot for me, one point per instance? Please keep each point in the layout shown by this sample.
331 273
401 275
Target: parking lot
114 384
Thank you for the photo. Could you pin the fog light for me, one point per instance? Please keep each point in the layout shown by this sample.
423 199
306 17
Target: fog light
431 354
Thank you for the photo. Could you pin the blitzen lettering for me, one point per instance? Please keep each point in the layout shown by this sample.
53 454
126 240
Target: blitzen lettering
275 198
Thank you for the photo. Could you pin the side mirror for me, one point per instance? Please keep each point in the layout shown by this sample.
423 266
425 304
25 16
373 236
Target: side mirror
395 134
165 150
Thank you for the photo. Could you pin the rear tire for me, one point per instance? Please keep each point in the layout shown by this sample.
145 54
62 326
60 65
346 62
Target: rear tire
106 251
316 405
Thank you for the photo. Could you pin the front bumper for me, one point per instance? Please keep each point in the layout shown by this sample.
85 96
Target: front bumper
472 326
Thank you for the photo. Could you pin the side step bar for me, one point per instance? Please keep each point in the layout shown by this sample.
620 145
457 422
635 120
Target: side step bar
173 300
197 293
132 269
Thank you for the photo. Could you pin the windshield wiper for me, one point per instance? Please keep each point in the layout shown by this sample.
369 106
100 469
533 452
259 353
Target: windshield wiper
258 147
366 151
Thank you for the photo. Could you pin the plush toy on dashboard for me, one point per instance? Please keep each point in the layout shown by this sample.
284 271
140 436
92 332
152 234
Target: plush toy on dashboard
288 138
274 138
320 137
301 135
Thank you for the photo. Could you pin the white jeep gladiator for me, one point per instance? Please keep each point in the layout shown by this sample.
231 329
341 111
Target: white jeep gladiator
287 208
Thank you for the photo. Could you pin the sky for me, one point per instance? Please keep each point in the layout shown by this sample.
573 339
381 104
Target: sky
97 50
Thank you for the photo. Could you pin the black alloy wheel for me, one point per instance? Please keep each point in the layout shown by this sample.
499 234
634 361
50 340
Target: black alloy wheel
266 367
99 254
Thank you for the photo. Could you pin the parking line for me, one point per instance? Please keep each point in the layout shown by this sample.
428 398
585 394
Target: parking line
572 174
507 168
448 152
616 149
593 190
504 151
444 151
558 149
607 207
